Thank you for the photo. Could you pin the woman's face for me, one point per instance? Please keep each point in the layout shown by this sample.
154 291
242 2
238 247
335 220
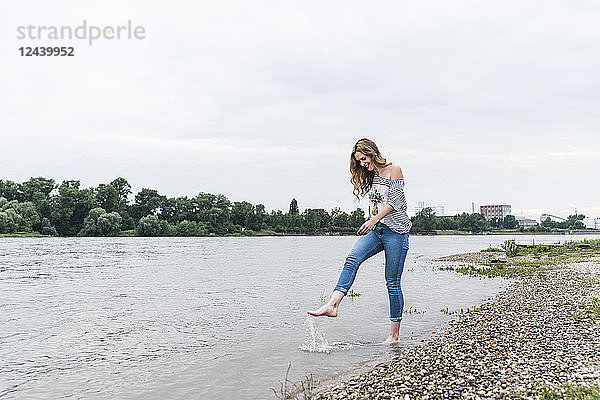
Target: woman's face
364 160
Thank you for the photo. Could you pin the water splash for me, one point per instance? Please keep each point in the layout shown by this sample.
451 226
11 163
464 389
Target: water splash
315 340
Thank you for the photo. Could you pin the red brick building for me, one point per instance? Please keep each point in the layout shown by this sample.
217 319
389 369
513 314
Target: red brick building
495 211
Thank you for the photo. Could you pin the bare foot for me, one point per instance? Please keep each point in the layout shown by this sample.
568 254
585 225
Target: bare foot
391 340
325 309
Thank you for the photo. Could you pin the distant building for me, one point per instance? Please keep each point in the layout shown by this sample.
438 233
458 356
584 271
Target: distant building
438 210
525 222
553 218
592 223
495 211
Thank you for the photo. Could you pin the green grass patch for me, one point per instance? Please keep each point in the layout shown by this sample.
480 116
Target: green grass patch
545 257
492 249
413 310
499 270
587 310
462 311
23 234
569 392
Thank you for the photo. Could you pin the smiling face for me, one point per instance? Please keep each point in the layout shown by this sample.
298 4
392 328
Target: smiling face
364 160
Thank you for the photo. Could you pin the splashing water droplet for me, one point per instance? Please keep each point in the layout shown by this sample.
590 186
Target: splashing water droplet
315 341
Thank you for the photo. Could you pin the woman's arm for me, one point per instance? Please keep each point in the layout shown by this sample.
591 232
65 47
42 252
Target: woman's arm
369 224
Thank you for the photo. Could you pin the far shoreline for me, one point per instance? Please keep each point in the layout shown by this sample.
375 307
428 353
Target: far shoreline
320 233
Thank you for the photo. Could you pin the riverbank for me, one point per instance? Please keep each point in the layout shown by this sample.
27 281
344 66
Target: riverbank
132 233
540 338
22 235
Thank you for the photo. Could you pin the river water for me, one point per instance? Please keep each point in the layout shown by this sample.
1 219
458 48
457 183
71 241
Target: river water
162 318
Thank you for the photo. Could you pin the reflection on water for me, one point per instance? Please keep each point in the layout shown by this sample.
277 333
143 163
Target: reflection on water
158 318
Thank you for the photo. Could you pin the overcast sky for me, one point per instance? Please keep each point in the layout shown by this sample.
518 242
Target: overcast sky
263 101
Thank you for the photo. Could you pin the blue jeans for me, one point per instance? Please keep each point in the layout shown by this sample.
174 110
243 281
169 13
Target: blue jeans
396 247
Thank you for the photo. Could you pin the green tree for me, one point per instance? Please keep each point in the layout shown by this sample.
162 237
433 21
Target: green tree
241 212
293 222
70 207
100 223
471 222
47 228
294 208
496 223
510 222
477 223
316 219
311 223
357 218
180 209
24 215
107 197
463 221
35 187
277 220
10 221
446 223
149 226
109 224
123 189
215 212
548 223
257 220
167 229
424 221
191 228
339 220
147 202
578 225
575 222
9 190
39 192
30 216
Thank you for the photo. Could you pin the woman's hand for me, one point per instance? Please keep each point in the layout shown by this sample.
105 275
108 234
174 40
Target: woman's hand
367 226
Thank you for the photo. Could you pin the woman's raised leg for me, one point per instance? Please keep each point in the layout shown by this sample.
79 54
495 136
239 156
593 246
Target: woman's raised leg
365 247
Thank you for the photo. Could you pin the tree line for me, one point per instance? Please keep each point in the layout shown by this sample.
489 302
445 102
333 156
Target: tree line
66 209
426 221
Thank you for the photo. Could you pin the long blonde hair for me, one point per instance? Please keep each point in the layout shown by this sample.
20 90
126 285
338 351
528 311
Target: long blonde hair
362 178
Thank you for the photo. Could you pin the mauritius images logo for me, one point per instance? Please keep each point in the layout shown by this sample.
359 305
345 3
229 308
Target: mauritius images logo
84 32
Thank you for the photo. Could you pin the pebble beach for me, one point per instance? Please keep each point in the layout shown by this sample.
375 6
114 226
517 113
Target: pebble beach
537 339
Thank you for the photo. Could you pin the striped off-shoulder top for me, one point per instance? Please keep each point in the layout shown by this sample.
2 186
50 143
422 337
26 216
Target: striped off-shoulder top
390 191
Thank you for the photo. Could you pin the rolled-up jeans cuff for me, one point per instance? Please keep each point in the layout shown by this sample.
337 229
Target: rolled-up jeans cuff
341 289
396 319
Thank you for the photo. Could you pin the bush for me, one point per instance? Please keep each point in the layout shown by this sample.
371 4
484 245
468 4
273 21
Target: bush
166 229
100 223
48 229
510 248
11 222
148 226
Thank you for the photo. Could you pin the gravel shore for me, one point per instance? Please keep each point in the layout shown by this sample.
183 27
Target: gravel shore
543 330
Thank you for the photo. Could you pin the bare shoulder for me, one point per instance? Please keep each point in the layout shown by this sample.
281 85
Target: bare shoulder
396 172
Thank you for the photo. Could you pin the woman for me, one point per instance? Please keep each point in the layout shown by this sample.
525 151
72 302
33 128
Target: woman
387 230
